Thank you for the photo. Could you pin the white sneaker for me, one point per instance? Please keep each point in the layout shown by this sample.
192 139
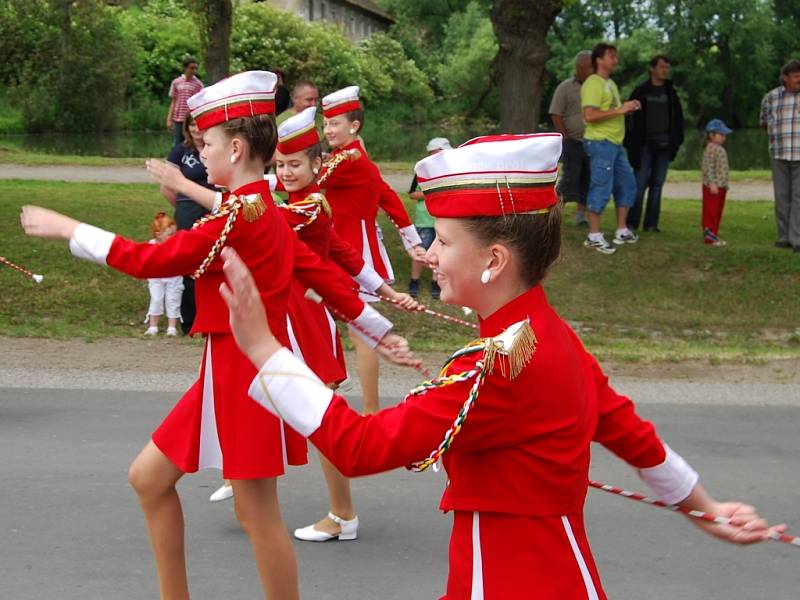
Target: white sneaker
225 492
600 244
151 331
349 531
172 332
625 236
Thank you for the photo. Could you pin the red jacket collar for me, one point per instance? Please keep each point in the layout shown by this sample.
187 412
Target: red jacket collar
518 309
304 193
254 187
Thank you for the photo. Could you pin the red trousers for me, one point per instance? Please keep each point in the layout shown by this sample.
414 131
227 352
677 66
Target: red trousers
713 204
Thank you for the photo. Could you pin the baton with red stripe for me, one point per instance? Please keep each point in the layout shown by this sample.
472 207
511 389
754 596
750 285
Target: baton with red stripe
696 514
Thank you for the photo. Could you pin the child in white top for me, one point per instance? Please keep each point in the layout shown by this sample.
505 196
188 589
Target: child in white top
164 290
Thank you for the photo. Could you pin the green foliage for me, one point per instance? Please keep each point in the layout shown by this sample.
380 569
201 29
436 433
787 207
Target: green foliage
264 37
468 49
162 33
73 70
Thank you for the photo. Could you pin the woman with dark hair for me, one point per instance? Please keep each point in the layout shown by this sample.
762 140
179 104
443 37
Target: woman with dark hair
513 414
186 157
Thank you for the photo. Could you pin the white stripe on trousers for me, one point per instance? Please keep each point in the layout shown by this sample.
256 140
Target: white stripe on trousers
591 592
477 560
210 451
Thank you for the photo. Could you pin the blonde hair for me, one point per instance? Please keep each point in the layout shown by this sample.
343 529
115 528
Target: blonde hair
161 223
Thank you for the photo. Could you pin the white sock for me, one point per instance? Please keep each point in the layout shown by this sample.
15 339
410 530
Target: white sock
596 237
623 231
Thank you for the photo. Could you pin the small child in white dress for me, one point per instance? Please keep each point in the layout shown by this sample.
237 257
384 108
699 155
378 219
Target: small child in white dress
164 290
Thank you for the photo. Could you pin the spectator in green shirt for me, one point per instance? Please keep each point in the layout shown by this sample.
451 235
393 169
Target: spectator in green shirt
611 172
424 223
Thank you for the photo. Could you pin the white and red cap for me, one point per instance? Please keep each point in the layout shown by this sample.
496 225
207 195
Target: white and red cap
341 102
298 132
245 94
493 175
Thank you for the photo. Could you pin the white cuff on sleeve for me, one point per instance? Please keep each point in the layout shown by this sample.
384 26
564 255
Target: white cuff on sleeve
288 389
272 180
91 243
410 237
370 326
369 279
671 481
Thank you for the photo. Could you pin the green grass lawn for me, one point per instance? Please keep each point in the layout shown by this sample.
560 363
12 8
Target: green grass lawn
668 298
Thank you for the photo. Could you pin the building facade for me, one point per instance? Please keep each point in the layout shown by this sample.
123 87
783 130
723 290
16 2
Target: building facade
359 19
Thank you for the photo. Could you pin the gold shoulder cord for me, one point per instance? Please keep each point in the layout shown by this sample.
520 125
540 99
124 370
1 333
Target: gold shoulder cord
252 206
330 166
309 208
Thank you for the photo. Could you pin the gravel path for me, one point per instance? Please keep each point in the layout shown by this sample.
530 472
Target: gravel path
752 190
170 365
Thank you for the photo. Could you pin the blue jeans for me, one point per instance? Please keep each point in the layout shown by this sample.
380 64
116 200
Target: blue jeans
611 173
651 174
177 132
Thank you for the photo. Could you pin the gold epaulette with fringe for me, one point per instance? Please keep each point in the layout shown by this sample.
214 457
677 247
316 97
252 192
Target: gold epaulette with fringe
250 205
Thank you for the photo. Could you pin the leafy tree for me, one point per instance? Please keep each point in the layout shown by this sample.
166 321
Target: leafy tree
75 75
521 27
214 19
469 46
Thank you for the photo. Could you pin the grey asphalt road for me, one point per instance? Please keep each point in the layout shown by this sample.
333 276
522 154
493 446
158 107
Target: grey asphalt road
750 190
71 528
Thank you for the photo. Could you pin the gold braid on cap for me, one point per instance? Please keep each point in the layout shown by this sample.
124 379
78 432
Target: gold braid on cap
251 205
309 208
330 166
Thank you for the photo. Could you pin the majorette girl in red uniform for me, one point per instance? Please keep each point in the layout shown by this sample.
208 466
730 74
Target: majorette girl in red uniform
512 415
355 191
215 424
298 162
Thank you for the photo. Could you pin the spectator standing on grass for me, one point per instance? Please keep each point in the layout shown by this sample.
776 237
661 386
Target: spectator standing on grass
715 180
423 221
186 157
181 89
565 111
780 114
611 172
653 137
304 95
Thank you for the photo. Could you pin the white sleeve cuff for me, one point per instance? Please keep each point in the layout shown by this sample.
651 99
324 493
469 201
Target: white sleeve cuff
370 326
288 389
410 237
369 279
91 243
272 180
671 481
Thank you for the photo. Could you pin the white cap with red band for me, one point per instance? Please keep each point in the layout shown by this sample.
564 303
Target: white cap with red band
492 175
341 102
298 132
245 94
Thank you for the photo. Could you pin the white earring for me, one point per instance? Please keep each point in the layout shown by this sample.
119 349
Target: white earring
352 131
233 158
485 276
315 171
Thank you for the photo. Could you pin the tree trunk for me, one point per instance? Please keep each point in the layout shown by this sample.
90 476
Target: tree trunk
218 15
521 28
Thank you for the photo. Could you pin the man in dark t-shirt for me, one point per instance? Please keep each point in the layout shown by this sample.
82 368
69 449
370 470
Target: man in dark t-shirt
653 136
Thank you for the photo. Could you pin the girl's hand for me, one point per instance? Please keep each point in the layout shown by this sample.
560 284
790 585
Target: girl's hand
248 318
165 173
417 253
46 223
395 349
714 188
746 526
406 302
